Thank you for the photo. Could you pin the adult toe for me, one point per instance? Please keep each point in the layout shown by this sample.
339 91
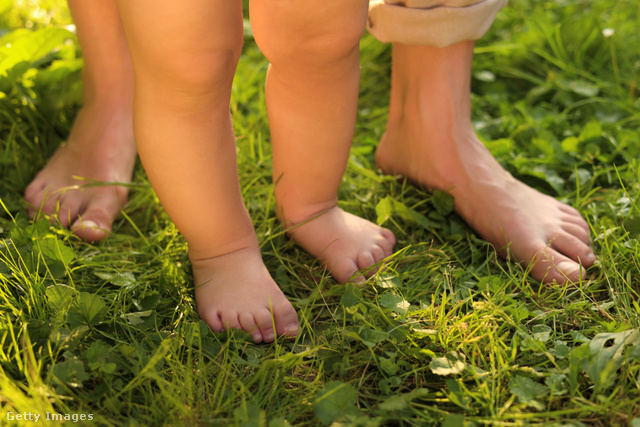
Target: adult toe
574 248
551 266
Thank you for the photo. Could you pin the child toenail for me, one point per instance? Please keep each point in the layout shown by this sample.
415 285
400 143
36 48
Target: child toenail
257 337
269 337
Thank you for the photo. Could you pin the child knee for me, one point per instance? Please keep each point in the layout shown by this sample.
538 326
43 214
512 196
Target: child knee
314 45
191 74
315 51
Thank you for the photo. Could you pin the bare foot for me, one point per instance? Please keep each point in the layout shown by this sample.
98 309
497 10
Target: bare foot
236 291
74 184
430 140
345 243
548 236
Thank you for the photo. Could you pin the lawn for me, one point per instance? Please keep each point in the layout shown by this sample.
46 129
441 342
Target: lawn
449 334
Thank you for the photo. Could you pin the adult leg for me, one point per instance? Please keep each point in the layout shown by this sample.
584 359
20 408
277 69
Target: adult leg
430 140
184 59
311 96
101 145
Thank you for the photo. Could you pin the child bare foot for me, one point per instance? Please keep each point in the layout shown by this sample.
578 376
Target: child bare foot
236 291
432 143
101 149
345 243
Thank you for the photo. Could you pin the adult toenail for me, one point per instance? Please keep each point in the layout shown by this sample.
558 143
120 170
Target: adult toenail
567 267
291 328
88 224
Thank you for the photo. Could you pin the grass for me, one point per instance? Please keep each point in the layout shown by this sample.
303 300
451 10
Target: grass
448 335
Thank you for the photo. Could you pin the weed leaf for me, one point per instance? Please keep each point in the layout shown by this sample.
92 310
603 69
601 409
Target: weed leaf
601 357
527 390
70 372
335 401
556 383
60 296
452 363
56 255
88 309
443 202
371 337
453 420
27 46
388 207
352 296
394 303
136 318
125 279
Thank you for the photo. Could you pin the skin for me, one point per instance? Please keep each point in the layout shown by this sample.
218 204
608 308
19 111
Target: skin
313 81
186 143
101 145
430 140
184 60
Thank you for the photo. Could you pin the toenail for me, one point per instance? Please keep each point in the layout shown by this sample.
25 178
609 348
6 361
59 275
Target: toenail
590 259
291 328
269 337
567 267
88 224
257 337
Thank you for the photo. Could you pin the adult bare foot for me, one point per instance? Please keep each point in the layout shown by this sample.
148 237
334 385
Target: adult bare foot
236 291
80 185
430 140
345 243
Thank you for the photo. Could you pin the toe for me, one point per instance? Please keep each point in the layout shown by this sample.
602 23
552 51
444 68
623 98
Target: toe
576 219
365 260
568 210
286 319
89 231
33 194
389 241
551 266
577 231
49 205
344 270
96 221
574 249
378 254
248 323
68 212
33 190
565 271
212 319
230 320
264 321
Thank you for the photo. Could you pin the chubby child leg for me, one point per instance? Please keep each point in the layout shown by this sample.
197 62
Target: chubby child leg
184 57
100 146
311 96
